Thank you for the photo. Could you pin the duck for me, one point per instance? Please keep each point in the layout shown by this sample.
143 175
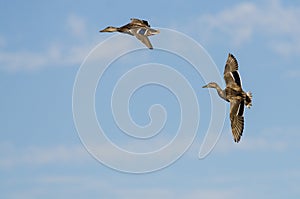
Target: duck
137 27
234 94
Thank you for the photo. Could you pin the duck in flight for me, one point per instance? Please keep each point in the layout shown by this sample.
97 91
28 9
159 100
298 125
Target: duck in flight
138 28
234 94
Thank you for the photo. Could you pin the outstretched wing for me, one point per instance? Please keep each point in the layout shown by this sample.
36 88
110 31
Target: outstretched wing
237 118
231 74
140 33
231 64
139 22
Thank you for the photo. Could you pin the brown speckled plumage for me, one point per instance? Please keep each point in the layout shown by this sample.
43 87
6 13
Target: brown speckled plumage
234 94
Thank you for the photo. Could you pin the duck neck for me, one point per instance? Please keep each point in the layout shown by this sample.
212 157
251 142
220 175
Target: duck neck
221 92
118 29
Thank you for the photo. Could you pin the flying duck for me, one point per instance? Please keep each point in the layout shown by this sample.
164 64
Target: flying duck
234 94
138 28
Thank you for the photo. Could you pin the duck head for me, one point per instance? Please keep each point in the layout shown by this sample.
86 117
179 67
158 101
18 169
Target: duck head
109 29
210 85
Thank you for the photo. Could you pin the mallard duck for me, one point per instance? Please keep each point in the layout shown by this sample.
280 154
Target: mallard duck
138 28
234 94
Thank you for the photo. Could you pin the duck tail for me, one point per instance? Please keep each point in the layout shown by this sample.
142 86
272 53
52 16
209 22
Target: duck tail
152 31
248 100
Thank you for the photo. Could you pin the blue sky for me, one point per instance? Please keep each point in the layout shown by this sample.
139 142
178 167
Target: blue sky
42 46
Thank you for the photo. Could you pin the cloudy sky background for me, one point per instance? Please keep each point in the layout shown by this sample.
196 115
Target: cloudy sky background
42 46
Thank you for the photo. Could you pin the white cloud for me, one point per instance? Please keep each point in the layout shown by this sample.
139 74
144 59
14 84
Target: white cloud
83 185
61 54
276 23
77 26
213 194
169 193
276 139
58 53
54 55
234 22
146 193
12 156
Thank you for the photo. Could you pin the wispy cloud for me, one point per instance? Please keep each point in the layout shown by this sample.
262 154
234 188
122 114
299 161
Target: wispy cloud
277 139
53 55
150 193
213 194
276 23
81 186
56 53
77 26
64 53
12 156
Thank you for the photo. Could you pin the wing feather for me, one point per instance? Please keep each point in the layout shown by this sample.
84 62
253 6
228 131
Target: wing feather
237 119
231 64
142 37
231 74
139 22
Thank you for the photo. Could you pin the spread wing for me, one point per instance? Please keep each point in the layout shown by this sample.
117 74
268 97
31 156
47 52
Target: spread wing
139 22
231 74
140 33
237 118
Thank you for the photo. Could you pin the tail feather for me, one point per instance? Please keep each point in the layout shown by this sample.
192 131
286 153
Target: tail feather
248 100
